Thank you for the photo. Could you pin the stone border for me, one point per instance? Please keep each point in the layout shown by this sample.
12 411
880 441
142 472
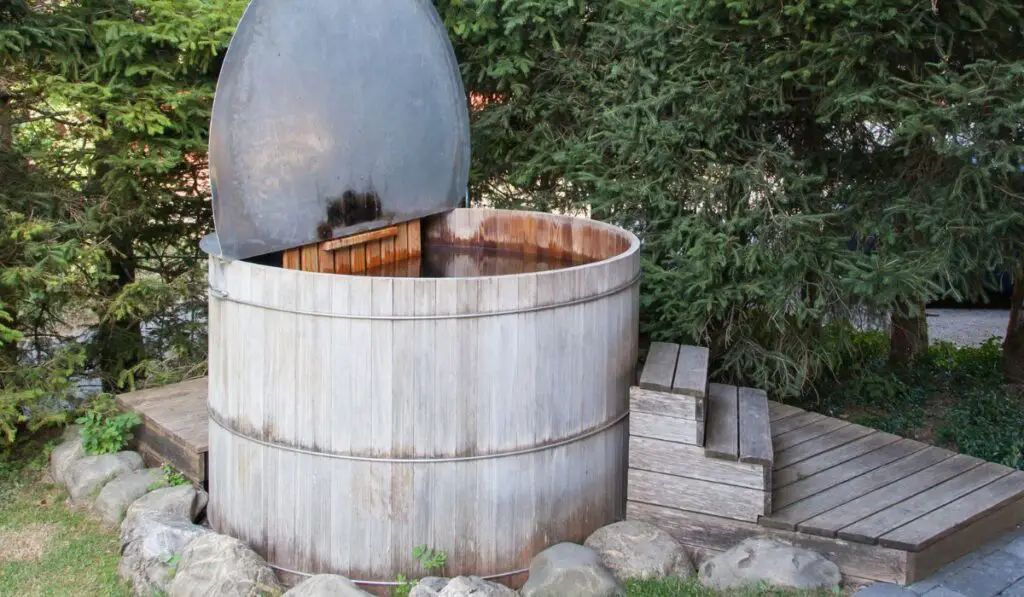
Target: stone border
167 549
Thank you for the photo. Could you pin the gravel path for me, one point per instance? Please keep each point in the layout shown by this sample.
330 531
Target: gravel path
966 326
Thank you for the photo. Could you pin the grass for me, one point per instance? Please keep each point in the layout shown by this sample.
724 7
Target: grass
692 588
953 397
47 549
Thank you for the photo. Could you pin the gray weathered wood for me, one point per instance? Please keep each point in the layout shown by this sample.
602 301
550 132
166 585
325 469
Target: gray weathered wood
866 504
797 421
821 481
956 515
689 461
377 367
691 373
755 432
778 410
869 562
818 445
729 501
660 366
722 426
790 516
844 453
659 403
869 529
665 428
798 436
965 540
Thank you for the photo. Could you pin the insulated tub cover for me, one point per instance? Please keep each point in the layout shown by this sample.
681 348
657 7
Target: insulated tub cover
322 106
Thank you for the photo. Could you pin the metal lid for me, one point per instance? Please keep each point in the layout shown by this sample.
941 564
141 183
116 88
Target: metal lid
331 118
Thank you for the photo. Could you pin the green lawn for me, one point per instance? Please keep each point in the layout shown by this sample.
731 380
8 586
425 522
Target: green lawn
691 588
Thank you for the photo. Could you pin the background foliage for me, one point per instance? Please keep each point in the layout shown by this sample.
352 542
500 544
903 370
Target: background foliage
788 167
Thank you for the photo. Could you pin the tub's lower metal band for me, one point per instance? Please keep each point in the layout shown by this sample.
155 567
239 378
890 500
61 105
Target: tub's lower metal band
505 454
382 583
223 295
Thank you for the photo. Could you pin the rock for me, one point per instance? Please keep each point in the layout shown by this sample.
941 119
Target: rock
429 586
474 586
219 565
771 561
149 543
115 497
634 549
89 474
326 585
183 501
570 570
64 455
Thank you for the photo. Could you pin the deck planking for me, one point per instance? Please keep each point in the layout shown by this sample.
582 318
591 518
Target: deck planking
175 425
844 482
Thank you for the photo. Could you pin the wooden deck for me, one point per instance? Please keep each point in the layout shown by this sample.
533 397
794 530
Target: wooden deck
175 426
849 483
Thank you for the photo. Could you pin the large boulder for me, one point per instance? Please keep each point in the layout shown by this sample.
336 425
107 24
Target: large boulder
64 455
474 586
115 497
183 501
86 476
150 544
326 585
429 586
218 565
634 549
570 570
772 561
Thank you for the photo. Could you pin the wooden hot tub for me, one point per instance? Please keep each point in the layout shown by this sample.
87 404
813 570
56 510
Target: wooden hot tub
354 417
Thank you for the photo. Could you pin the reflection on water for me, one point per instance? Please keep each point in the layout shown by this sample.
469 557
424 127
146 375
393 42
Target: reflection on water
468 262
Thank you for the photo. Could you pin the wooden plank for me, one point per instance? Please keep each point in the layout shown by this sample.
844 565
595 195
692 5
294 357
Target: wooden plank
664 428
292 259
925 562
722 424
948 519
712 532
372 254
415 242
823 443
808 432
357 258
805 468
691 372
683 460
662 404
402 242
816 483
789 517
868 530
754 427
660 366
729 501
795 422
866 504
326 260
358 239
777 410
387 250
310 258
342 261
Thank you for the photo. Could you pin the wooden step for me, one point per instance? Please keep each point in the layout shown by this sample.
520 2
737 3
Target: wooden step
739 425
670 401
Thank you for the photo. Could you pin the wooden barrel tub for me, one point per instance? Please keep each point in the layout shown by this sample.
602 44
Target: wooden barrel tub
355 417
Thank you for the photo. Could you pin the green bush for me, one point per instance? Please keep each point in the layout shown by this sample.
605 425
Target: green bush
106 430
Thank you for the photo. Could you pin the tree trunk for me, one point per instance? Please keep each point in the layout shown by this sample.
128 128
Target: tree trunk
1013 345
119 342
908 340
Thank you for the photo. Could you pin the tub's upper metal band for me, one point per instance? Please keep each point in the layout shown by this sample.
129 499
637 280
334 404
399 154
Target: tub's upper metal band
224 296
382 583
427 459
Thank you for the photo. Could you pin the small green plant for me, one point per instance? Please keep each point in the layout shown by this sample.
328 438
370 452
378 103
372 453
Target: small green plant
105 430
172 564
172 478
429 559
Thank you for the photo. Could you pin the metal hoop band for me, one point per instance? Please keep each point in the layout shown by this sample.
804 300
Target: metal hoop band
380 583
